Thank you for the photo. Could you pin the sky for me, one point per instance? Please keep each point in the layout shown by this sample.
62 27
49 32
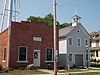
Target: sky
89 10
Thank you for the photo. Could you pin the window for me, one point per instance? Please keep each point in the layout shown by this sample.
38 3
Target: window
70 41
49 54
22 53
70 57
97 35
86 42
96 53
90 43
35 55
86 54
78 42
97 43
4 55
78 31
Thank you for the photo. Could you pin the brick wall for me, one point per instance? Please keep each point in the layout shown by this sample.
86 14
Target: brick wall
3 44
22 35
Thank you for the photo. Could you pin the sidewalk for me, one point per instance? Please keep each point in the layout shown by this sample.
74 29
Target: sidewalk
51 71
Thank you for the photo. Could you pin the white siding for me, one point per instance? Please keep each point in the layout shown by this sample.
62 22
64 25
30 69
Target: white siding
93 44
62 46
75 49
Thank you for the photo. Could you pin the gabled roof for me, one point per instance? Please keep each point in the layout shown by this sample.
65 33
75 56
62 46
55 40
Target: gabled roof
64 31
97 34
93 33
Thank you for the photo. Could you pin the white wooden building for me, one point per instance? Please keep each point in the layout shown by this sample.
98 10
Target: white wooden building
74 43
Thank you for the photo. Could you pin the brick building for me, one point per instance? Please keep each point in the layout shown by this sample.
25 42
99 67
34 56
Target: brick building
30 43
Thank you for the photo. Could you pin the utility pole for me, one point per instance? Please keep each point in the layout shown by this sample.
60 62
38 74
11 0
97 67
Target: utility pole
54 30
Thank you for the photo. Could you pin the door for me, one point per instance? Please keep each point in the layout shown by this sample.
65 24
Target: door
79 59
36 56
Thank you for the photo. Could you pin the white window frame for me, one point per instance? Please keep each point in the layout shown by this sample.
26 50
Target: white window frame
77 42
18 61
46 55
72 41
3 54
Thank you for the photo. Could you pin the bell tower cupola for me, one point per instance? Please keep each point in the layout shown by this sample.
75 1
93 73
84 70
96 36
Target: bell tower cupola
75 20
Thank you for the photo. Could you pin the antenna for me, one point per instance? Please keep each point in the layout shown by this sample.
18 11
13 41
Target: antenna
9 9
3 13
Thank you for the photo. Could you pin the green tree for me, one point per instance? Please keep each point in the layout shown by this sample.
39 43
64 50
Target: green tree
48 20
63 25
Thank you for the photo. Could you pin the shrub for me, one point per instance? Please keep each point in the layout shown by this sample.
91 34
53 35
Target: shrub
98 61
95 65
60 67
21 68
93 60
11 69
6 70
74 66
0 67
30 67
49 66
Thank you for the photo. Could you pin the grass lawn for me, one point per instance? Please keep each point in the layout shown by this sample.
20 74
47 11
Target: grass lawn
89 73
24 72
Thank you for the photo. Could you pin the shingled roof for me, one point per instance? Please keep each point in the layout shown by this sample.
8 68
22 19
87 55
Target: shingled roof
97 34
64 31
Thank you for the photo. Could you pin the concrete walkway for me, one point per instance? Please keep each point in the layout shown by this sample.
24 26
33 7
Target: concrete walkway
78 72
67 73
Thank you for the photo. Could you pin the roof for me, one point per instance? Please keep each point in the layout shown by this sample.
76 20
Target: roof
96 34
76 16
64 31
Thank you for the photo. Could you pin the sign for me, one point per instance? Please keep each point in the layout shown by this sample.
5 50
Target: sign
56 58
55 52
56 55
37 38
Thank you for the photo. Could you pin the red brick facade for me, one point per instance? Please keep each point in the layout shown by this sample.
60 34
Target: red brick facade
22 35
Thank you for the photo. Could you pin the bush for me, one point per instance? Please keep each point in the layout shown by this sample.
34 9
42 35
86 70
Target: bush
74 66
98 61
95 65
49 66
60 67
21 68
30 67
6 70
11 69
0 67
93 60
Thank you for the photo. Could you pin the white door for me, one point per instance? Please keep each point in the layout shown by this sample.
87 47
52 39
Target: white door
36 57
